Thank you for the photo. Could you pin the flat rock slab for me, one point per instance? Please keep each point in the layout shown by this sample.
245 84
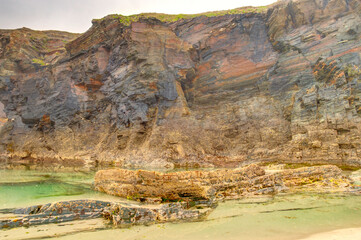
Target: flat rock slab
55 213
228 183
118 213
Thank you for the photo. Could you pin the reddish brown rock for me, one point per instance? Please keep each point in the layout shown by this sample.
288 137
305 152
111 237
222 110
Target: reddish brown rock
275 85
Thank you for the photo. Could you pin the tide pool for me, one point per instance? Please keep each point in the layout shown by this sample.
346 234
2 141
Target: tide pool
281 217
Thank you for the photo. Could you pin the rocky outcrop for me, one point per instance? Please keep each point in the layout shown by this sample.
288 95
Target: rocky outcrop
276 85
172 186
55 213
210 185
120 214
177 196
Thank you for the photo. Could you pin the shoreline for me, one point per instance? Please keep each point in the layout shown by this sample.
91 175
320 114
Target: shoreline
338 234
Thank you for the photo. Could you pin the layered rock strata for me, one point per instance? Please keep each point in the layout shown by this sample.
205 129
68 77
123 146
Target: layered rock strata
210 185
120 214
276 85
55 213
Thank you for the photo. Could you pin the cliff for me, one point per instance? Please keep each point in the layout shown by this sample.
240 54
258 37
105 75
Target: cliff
280 83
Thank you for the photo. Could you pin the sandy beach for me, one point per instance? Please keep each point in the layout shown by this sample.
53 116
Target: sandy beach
340 234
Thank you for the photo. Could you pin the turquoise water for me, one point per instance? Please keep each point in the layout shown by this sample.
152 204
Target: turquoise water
20 188
280 217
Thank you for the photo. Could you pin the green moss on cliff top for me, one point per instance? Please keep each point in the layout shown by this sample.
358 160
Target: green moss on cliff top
127 20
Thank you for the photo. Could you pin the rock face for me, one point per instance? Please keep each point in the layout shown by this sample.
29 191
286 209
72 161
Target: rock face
210 185
279 85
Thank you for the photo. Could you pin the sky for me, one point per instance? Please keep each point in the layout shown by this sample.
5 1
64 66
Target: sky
76 15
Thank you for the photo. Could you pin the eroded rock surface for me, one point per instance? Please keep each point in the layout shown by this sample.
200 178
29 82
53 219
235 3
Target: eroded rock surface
210 185
170 212
279 85
55 213
118 213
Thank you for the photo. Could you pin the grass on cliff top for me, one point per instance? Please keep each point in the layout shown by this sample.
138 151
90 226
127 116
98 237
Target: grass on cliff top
127 20
39 61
